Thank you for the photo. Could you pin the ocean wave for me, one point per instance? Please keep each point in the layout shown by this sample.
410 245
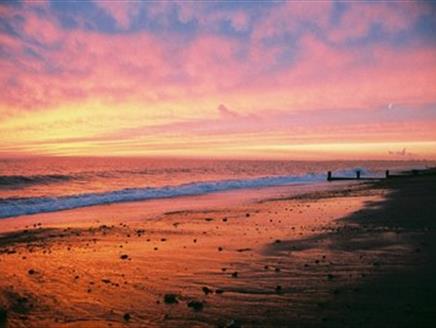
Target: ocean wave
26 206
23 180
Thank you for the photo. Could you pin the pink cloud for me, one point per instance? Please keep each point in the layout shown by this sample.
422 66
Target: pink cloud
226 113
143 68
44 30
121 11
286 18
391 17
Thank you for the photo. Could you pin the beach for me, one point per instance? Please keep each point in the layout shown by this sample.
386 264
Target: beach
220 164
347 255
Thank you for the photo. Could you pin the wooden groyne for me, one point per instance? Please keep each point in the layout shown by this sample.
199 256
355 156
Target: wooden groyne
388 175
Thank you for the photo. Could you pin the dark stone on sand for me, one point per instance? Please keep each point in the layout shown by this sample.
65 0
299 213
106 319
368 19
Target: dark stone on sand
124 257
233 324
219 291
235 274
206 290
171 299
225 220
126 317
31 271
277 269
279 289
278 241
3 317
196 305
330 276
247 215
106 281
220 249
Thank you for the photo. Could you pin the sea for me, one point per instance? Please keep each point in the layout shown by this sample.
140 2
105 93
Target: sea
38 185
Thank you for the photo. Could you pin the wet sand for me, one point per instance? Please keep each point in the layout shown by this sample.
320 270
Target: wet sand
354 256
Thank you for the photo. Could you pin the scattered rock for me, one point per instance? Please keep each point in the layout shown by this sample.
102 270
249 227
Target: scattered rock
279 289
235 274
206 290
124 257
219 291
31 272
126 317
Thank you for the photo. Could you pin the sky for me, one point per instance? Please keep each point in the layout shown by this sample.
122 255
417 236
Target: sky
219 79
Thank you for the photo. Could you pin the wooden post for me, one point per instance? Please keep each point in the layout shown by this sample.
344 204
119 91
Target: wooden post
357 174
387 174
329 175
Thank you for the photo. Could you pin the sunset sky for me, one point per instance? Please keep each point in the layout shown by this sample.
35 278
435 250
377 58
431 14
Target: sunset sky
289 80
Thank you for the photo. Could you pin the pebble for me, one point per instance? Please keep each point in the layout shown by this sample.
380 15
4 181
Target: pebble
170 299
196 305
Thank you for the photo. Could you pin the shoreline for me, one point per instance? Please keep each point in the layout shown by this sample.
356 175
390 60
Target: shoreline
154 207
308 260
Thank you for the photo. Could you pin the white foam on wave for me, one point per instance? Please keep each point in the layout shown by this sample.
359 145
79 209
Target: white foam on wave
26 206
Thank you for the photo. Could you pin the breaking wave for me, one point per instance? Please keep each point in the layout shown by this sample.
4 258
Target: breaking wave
10 207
